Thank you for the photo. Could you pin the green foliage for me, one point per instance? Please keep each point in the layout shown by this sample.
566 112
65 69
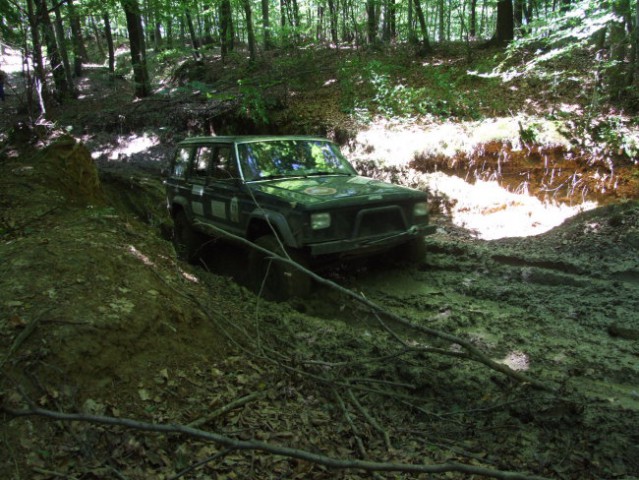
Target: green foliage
609 135
8 33
169 56
253 105
376 86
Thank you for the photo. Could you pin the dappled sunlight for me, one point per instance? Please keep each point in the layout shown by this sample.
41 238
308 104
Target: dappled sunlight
493 212
516 360
126 145
394 144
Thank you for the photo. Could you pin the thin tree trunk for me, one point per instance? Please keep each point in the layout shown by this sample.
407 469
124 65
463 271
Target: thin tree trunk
80 54
55 60
636 48
62 47
97 35
266 22
371 24
426 48
472 28
196 48
226 27
412 37
332 12
442 10
249 28
109 40
137 47
38 60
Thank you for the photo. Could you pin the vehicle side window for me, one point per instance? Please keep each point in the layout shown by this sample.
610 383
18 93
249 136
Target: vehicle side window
224 166
181 163
202 161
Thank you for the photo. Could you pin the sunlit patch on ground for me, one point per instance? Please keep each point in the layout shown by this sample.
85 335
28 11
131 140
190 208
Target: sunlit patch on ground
516 360
493 212
126 146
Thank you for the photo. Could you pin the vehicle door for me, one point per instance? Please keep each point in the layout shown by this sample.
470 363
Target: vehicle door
197 180
177 187
222 190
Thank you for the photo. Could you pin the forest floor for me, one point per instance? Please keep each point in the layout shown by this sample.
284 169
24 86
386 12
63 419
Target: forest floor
99 318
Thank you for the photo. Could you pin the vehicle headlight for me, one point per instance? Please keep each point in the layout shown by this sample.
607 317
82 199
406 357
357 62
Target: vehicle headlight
320 221
420 209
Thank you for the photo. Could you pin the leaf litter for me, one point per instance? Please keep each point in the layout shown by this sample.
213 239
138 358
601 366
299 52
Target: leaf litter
123 329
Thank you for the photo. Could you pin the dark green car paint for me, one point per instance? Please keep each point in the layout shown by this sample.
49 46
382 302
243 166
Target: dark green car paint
367 215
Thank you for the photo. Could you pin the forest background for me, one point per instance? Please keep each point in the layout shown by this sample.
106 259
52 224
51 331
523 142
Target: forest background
98 317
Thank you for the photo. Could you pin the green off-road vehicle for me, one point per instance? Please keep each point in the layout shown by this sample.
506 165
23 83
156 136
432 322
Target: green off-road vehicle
294 195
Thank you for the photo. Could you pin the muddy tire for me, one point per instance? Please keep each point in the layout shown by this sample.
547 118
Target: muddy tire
279 281
186 241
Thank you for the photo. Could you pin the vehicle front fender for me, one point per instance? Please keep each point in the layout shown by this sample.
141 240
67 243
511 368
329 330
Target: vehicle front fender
274 220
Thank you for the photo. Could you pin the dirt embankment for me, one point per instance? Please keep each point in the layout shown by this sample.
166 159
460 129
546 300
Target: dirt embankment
97 316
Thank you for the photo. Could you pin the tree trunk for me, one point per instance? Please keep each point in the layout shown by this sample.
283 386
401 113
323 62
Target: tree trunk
137 47
268 44
412 37
59 77
109 40
505 23
371 26
80 54
518 14
226 28
619 75
194 43
62 47
249 28
38 60
332 12
636 48
426 48
472 28
442 9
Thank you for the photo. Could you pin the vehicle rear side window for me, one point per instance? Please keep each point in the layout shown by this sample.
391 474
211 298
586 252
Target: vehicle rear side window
202 161
224 166
181 164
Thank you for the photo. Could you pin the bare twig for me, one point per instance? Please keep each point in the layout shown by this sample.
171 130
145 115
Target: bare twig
210 459
371 420
224 409
254 445
349 420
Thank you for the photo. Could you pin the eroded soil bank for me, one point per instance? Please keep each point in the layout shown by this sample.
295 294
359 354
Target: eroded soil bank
97 316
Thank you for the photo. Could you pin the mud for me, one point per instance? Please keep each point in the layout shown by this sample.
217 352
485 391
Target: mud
98 316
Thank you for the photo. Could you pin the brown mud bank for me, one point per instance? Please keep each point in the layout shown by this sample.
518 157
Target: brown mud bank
549 172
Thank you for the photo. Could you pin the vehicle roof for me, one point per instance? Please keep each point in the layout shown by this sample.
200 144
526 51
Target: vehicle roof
247 139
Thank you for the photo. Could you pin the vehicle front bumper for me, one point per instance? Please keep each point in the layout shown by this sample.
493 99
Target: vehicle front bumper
370 245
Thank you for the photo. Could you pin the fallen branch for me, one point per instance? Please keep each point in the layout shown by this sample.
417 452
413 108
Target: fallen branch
226 408
254 445
473 352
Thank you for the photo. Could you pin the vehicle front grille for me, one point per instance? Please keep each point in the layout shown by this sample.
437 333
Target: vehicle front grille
379 221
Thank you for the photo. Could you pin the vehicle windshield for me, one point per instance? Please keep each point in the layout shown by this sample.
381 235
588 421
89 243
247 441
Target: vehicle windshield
271 159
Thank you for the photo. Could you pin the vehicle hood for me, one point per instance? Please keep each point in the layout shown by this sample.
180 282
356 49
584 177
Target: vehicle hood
334 189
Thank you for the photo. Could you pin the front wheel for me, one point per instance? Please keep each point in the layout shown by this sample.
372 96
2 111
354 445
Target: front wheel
187 242
277 280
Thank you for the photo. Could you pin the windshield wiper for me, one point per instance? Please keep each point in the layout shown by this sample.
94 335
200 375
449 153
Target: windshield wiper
272 177
313 174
